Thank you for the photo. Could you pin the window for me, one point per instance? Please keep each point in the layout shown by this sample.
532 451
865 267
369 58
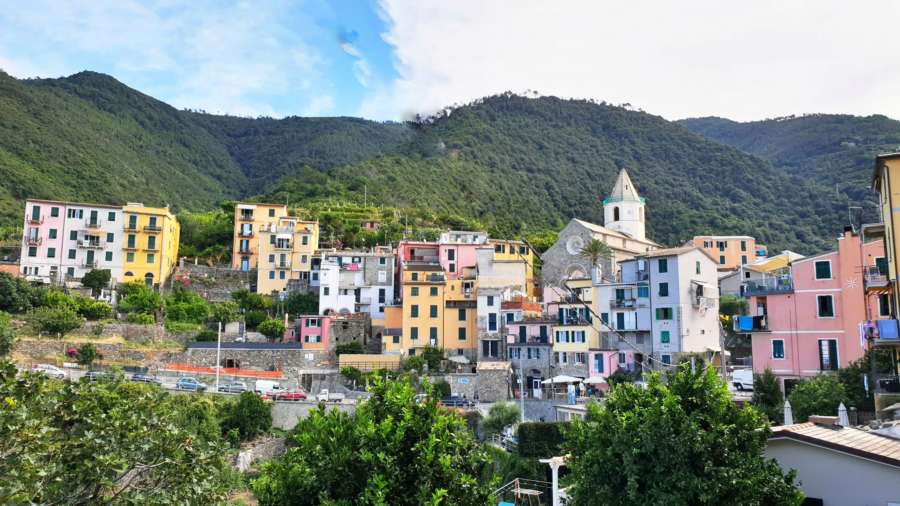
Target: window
621 358
32 251
151 242
451 254
382 295
414 333
542 333
462 334
663 289
304 240
721 245
54 212
271 274
51 252
432 311
707 244
414 311
498 248
490 349
108 256
152 223
151 257
396 339
462 315
110 237
281 274
132 240
778 349
604 317
620 293
132 221
743 260
271 258
325 290
884 305
432 335
70 271
523 250
580 357
721 259
616 213
490 300
743 245
433 291
129 257
643 291
382 261
664 336
697 267
52 233
271 213
304 259
414 291
271 238
828 357
620 321
825 304
415 276
509 317
73 235
666 359
663 313
662 265
492 322
72 254
823 269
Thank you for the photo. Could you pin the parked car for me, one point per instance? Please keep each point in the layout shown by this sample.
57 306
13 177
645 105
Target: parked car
96 375
235 387
455 401
289 396
326 396
742 379
268 388
145 378
49 370
192 384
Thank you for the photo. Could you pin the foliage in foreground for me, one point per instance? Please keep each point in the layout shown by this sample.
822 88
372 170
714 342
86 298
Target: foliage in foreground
500 416
681 443
250 416
767 396
108 442
392 450
818 396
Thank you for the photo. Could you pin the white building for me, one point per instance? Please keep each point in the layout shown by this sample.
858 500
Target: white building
355 281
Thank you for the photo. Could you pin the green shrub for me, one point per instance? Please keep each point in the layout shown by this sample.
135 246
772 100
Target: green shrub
352 374
272 329
186 306
415 363
249 301
225 312
767 396
353 348
93 309
16 294
249 415
540 439
253 318
182 327
136 297
140 318
818 396
87 354
56 321
442 389
621 376
433 357
96 279
500 416
207 335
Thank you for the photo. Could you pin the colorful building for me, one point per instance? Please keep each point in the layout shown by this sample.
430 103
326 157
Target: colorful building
575 332
249 220
808 322
312 332
731 251
151 244
530 349
284 251
516 251
424 286
355 281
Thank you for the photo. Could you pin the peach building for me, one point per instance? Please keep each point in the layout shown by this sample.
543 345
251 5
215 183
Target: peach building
808 321
731 251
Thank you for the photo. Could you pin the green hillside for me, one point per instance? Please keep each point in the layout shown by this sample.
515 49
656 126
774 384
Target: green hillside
835 150
514 164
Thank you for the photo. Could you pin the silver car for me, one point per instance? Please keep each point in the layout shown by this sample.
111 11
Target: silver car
49 370
235 387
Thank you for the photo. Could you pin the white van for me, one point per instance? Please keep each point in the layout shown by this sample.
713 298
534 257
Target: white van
742 379
268 387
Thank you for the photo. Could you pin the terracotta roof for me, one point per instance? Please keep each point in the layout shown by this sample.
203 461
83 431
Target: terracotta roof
845 439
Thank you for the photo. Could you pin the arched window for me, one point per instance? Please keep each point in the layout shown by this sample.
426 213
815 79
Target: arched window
616 213
148 279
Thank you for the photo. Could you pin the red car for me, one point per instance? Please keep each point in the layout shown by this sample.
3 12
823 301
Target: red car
289 396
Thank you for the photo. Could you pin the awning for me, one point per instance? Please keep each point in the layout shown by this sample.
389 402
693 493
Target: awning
561 379
595 380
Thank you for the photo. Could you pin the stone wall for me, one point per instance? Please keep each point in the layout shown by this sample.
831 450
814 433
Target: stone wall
132 332
350 329
46 350
483 386
286 414
212 283
256 451
261 359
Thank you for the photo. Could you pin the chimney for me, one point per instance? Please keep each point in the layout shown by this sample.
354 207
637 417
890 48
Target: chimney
828 421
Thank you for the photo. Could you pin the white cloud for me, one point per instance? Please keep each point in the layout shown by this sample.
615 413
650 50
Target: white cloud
697 57
319 106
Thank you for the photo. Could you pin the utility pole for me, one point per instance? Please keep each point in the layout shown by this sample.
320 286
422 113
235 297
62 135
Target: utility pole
218 354
521 387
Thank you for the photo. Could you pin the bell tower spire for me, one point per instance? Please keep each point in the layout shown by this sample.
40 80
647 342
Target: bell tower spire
623 210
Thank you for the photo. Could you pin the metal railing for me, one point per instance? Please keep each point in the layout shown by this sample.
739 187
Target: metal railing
281 265
245 217
90 244
623 303
90 264
769 286
153 229
92 223
34 220
33 241
875 276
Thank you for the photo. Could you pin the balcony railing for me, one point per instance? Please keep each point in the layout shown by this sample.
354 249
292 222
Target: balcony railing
34 220
131 228
89 264
245 217
282 246
92 223
887 384
744 324
152 248
90 244
768 286
244 250
281 265
33 241
152 229
623 303
364 301
245 233
875 277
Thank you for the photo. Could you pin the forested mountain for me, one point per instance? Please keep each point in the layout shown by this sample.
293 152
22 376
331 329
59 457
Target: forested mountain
515 164
833 149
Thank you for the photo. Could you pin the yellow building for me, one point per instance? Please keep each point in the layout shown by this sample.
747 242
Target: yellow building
575 332
516 251
424 285
249 220
460 330
151 244
731 251
284 252
392 334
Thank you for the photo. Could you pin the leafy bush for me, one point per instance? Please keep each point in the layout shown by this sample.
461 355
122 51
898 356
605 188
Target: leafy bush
817 396
352 374
540 440
96 279
178 327
207 335
136 297
225 312
272 329
250 301
186 306
415 363
55 298
852 378
140 318
253 318
621 376
500 416
767 396
7 335
87 354
93 309
299 303
56 321
16 294
353 348
249 415
442 389
433 357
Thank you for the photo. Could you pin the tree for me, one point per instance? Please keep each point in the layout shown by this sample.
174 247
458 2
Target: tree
7 335
16 295
684 442
817 396
92 309
415 364
852 378
87 354
442 389
96 279
353 348
109 442
186 306
272 329
253 318
500 416
595 250
250 301
299 303
225 312
433 357
249 415
138 298
767 396
56 321
398 451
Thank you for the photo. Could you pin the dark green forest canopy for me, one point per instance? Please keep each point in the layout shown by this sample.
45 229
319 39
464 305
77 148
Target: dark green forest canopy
517 165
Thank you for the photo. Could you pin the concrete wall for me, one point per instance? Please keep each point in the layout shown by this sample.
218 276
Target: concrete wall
286 414
837 478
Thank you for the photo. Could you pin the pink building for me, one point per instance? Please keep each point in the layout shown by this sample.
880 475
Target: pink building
311 331
809 322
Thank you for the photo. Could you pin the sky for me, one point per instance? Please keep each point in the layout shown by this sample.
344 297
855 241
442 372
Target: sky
391 59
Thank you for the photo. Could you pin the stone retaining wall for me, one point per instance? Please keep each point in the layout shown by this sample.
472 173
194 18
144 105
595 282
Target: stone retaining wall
46 350
258 451
132 332
212 283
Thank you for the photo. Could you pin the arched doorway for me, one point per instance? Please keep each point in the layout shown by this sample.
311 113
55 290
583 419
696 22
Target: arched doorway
148 279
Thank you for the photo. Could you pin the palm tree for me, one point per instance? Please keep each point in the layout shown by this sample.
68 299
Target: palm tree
594 251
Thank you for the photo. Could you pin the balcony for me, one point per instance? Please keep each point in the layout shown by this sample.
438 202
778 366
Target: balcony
245 217
151 248
745 324
34 220
33 241
281 265
90 244
364 301
131 227
623 303
130 247
89 264
771 286
283 246
428 259
92 224
152 229
875 277
245 233
245 251
887 384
